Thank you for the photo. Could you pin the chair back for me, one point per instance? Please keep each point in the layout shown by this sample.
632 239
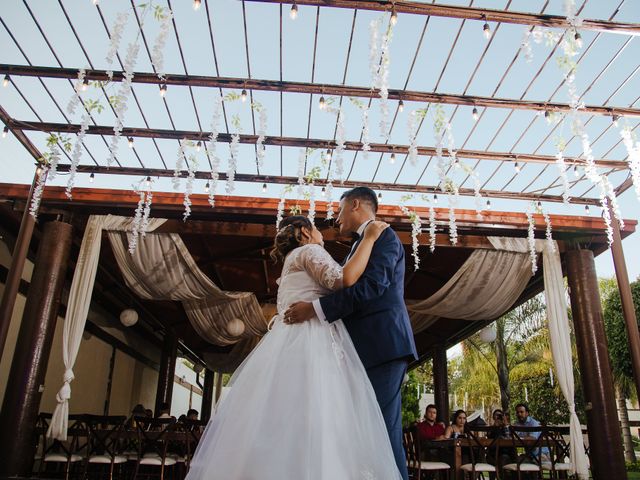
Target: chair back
76 442
154 435
529 439
104 434
481 447
412 452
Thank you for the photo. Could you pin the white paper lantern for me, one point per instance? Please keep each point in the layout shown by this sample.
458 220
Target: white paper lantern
488 334
128 317
235 327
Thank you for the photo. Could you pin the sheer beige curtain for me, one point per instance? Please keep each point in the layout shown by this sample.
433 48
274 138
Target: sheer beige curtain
78 307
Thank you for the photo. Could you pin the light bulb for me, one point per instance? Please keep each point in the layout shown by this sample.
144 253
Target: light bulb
163 89
578 39
198 146
293 13
379 195
264 187
5 81
148 182
392 158
243 96
5 130
486 31
196 4
547 116
328 155
586 209
474 114
488 204
92 177
85 85
96 2
206 188
322 103
400 106
517 167
539 204
130 140
576 172
394 17
323 192
615 118
435 198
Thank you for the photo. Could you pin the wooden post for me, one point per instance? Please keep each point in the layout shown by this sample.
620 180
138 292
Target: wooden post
107 397
218 385
207 395
605 436
628 310
18 258
441 383
26 378
164 392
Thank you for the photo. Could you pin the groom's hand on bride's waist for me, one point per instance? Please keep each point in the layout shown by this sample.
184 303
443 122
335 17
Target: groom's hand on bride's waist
299 312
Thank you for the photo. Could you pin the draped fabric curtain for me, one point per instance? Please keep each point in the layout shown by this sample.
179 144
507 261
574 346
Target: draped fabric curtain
485 287
78 307
162 268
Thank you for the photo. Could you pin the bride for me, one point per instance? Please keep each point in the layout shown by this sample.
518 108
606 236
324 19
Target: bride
301 406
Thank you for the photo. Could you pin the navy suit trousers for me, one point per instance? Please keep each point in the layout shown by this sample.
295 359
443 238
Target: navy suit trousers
387 383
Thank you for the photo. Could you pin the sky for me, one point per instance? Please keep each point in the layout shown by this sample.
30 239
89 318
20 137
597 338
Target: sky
446 62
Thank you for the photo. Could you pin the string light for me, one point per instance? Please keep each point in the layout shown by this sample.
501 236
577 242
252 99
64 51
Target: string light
264 187
586 209
5 130
293 13
323 192
5 81
96 2
85 85
474 114
578 39
547 116
163 89
400 106
435 198
488 204
379 195
392 158
486 29
130 140
539 204
206 188
148 182
322 103
517 167
615 118
394 16
576 172
92 177
328 155
198 146
243 96
196 4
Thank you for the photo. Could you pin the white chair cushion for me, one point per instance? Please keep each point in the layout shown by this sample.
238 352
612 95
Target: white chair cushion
479 467
434 466
157 461
524 467
60 457
558 466
107 459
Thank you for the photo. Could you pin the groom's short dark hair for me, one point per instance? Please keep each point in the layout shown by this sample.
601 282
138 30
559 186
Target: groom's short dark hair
364 194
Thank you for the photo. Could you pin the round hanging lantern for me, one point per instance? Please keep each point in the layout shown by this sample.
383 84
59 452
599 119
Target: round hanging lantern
128 317
235 327
488 334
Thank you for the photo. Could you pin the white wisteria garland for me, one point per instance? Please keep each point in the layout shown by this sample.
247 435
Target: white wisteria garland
262 133
140 223
77 153
432 228
180 161
547 233
211 147
233 162
122 19
75 99
137 220
340 142
165 17
36 196
329 194
531 239
562 171
302 156
416 229
192 168
281 205
412 129
312 203
366 147
633 159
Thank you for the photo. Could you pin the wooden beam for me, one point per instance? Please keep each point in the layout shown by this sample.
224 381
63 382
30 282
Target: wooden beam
468 13
315 88
307 143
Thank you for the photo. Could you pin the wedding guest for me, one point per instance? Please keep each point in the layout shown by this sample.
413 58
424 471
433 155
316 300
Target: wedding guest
138 411
149 413
458 426
192 414
165 410
524 419
500 429
429 429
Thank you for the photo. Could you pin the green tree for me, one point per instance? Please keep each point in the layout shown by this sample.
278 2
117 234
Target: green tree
411 400
618 344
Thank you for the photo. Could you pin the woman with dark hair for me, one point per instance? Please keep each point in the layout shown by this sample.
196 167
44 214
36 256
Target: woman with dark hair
458 425
301 404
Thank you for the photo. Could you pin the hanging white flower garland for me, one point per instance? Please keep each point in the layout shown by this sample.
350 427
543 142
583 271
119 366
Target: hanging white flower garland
412 129
312 203
548 235
302 156
262 133
75 99
366 147
122 19
633 159
531 239
416 229
77 153
340 142
191 175
180 161
329 194
233 162
137 220
36 197
165 16
281 205
211 147
432 228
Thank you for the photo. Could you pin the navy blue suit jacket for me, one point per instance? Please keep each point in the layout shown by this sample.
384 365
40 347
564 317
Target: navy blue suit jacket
373 309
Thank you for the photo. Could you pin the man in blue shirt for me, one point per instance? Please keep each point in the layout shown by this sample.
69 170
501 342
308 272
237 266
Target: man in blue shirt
524 419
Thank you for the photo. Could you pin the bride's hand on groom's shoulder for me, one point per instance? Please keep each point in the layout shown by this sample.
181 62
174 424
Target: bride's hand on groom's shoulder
375 229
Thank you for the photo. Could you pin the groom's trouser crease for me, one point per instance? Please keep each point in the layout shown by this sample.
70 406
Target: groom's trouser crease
386 380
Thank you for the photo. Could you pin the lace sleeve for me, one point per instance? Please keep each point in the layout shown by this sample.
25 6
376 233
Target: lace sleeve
317 262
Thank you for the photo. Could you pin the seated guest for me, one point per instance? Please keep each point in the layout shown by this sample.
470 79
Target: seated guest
149 413
500 429
165 410
524 419
192 414
138 411
458 426
429 429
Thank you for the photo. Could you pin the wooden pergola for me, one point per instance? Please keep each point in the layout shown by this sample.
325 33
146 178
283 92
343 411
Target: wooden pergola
230 242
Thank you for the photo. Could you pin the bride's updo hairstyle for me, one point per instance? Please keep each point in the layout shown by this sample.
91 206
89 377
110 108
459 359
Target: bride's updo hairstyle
289 236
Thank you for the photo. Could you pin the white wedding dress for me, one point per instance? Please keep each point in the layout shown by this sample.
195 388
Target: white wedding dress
300 407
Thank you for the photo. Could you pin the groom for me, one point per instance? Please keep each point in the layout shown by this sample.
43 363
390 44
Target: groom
373 311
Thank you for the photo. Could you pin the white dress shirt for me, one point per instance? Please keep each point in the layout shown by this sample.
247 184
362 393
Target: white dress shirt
316 303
